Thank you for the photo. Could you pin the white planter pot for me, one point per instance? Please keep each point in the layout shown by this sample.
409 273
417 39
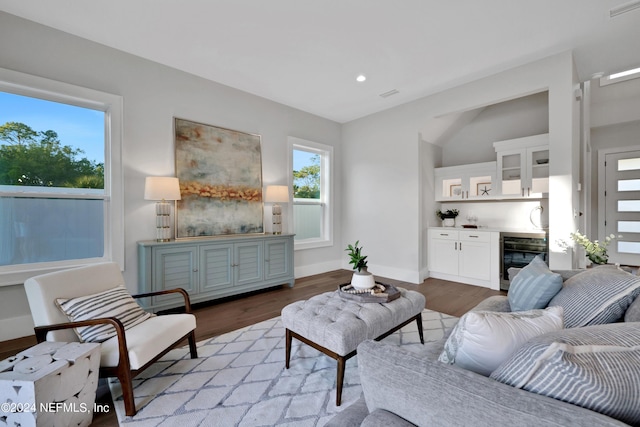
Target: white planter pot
449 222
362 280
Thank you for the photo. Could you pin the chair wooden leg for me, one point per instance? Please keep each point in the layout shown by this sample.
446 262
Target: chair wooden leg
420 331
127 393
192 345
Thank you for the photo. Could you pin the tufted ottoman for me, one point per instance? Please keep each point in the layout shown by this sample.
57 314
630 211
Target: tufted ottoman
335 326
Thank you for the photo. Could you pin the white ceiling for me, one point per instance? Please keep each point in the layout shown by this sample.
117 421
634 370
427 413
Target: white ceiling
307 53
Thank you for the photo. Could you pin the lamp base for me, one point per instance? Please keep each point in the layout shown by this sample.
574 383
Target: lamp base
276 219
163 222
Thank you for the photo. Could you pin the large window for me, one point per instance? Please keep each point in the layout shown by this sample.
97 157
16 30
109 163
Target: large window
60 191
312 195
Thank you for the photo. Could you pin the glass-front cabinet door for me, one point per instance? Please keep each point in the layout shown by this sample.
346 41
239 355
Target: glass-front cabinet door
538 160
523 167
511 165
466 182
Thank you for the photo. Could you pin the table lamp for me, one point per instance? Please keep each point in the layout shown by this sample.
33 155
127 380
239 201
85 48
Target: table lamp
276 194
162 188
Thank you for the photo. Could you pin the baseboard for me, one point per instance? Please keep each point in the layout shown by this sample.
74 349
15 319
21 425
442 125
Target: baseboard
403 275
16 327
310 270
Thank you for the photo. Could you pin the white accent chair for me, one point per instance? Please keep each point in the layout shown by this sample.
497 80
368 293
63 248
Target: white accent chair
129 352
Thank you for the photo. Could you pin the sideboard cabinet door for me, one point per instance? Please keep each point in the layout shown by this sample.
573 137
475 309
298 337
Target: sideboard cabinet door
174 268
278 262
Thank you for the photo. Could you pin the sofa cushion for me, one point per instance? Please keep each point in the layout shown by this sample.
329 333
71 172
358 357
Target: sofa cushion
596 367
482 340
116 302
633 312
426 392
534 286
597 296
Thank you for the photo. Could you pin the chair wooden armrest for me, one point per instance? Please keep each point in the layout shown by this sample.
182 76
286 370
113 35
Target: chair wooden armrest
185 295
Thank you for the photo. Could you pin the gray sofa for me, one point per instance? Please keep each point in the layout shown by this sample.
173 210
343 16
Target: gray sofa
404 388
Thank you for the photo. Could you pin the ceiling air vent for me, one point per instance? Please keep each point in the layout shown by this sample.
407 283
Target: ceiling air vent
624 8
388 94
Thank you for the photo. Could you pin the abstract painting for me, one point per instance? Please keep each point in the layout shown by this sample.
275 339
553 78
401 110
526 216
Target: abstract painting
220 174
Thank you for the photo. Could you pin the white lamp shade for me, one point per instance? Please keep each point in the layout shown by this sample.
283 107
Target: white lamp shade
276 194
161 188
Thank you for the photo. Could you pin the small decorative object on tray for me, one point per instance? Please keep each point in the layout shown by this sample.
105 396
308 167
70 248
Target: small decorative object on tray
379 293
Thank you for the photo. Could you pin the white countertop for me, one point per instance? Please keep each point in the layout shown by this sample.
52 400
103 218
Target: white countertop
494 229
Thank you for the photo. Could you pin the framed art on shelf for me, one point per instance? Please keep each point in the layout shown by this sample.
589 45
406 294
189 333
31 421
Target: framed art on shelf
455 190
220 174
483 188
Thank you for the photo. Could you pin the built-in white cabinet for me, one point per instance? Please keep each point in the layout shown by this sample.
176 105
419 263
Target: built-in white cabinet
465 255
215 267
466 182
523 167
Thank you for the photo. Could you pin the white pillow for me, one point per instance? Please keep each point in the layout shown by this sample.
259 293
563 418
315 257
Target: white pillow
482 340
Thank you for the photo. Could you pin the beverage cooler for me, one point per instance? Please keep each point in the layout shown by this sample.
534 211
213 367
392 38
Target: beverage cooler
518 249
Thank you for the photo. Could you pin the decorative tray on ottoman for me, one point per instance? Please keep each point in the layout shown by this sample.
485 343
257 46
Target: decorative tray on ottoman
379 293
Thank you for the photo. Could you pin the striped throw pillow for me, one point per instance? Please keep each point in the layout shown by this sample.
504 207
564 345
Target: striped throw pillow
596 367
533 287
116 302
597 296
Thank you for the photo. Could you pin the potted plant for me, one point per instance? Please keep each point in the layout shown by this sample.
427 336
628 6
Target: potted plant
448 217
596 251
361 278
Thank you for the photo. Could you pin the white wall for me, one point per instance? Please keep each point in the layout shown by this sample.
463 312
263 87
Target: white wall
382 168
511 119
154 94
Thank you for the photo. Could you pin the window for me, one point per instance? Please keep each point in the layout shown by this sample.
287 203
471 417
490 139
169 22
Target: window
312 196
620 77
60 186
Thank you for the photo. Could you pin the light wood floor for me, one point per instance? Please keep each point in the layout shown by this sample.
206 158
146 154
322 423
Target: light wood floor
230 314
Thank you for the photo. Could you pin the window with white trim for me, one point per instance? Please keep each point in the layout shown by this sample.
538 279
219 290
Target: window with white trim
310 172
60 176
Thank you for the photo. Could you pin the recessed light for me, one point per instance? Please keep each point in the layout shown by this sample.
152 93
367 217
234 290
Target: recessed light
361 78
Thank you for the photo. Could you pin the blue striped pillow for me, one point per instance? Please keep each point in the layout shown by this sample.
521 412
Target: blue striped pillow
116 302
597 296
533 287
596 367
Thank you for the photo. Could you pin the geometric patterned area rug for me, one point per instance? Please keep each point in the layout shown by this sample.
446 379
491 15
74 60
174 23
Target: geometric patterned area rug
239 379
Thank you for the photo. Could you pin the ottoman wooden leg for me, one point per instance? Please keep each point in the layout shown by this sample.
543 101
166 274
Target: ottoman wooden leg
288 339
340 379
420 332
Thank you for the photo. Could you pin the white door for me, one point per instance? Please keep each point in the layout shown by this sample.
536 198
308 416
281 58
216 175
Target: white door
622 206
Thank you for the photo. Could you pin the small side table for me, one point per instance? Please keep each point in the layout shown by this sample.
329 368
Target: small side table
52 383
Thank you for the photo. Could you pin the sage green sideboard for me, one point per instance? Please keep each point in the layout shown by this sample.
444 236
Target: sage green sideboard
212 268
